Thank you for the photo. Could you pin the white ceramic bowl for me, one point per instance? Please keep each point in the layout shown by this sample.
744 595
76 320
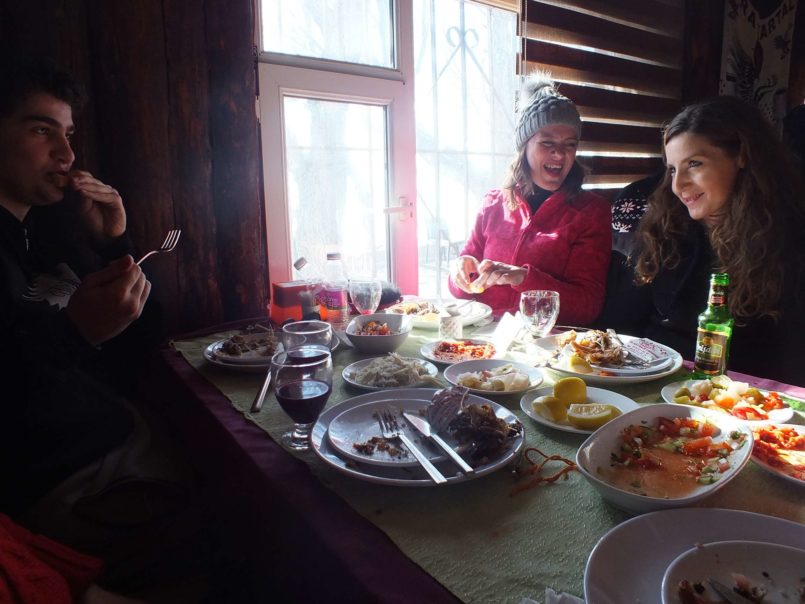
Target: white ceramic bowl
399 325
593 457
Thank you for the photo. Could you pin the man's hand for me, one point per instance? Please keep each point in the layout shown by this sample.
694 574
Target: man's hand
498 273
108 301
101 206
462 270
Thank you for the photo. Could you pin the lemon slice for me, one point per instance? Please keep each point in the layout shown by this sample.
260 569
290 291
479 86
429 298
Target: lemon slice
476 288
579 365
591 416
570 390
551 408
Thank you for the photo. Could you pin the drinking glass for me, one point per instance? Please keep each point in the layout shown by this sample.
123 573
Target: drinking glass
539 309
302 389
365 294
303 333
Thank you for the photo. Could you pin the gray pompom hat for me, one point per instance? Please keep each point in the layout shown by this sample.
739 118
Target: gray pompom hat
540 105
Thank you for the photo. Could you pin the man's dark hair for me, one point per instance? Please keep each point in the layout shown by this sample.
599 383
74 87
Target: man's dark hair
24 76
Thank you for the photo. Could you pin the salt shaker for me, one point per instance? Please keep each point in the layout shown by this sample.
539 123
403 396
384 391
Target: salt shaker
451 326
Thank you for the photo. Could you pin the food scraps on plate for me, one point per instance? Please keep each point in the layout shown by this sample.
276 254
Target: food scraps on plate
781 447
498 379
463 350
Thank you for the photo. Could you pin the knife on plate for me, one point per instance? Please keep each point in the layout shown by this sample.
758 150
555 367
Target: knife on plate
728 594
423 426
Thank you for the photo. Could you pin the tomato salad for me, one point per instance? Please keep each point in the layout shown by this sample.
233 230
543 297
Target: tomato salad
736 398
673 457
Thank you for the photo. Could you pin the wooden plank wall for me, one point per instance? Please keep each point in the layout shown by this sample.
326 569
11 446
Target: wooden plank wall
172 125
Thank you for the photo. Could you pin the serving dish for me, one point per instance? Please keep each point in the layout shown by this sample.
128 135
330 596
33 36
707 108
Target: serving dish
350 371
470 311
787 463
775 568
399 328
595 457
429 350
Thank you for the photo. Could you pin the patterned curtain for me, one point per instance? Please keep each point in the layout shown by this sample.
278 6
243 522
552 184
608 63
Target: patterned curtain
756 53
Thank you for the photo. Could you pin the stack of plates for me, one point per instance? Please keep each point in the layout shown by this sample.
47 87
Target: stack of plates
355 421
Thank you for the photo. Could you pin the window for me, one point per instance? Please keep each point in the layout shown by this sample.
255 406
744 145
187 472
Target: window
354 161
621 62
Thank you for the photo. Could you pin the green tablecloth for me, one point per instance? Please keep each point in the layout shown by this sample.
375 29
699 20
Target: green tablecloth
476 538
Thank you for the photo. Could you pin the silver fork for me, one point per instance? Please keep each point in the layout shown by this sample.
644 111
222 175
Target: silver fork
390 429
168 245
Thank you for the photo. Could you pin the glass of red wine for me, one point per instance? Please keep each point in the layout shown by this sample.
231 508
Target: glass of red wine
303 382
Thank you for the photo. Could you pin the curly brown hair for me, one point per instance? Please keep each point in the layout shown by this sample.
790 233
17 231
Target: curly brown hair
761 218
518 178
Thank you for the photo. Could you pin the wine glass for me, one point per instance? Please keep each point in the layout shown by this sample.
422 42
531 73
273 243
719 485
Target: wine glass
303 386
539 309
302 333
365 294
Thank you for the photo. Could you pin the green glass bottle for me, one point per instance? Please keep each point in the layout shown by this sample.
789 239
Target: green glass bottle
715 331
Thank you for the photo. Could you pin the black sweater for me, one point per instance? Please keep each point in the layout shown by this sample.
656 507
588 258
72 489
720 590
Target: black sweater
667 309
58 411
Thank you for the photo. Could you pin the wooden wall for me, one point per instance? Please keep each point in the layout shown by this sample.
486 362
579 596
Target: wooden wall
172 125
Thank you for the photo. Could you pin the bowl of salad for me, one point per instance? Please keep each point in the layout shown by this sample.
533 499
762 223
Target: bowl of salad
379 333
664 456
732 397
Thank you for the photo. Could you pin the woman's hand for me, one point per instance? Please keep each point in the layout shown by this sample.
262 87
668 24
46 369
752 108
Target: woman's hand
497 273
101 206
462 270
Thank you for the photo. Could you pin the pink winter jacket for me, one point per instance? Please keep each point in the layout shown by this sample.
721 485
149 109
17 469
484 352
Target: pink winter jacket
564 246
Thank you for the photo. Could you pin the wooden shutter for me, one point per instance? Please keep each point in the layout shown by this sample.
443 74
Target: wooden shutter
621 62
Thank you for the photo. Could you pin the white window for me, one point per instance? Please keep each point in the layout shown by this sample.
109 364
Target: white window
347 166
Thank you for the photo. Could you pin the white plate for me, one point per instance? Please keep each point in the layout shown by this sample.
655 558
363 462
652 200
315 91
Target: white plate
776 416
595 454
258 365
252 357
408 477
351 370
471 312
453 371
782 566
782 472
549 345
359 424
654 367
627 564
427 351
594 395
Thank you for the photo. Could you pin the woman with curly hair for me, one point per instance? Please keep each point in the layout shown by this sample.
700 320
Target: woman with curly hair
540 231
730 202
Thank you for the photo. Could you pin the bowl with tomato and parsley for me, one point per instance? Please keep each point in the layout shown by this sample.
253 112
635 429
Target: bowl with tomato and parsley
378 333
664 456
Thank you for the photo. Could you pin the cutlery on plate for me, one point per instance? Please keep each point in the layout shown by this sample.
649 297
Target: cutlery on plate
423 426
728 594
258 400
391 430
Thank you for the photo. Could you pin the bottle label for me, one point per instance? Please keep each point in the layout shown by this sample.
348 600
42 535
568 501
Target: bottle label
711 348
334 299
718 295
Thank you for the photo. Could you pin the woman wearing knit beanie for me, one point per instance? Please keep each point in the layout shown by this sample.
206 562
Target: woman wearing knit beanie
540 230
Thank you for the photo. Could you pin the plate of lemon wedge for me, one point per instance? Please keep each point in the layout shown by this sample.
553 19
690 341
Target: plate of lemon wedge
570 405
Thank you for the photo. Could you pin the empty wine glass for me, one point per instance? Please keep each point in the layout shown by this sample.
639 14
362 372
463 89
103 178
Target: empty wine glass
365 294
301 333
539 309
302 389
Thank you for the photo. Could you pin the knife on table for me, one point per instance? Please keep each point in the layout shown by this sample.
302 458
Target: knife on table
423 426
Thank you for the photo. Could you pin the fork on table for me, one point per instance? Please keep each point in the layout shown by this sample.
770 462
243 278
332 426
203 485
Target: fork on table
171 240
390 430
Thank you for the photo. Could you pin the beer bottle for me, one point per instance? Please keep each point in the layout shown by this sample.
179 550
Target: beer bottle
715 331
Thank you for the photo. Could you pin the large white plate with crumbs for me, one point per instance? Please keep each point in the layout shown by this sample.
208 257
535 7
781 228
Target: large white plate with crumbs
408 476
614 576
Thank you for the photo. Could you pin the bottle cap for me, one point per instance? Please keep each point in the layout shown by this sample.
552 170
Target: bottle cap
334 256
300 263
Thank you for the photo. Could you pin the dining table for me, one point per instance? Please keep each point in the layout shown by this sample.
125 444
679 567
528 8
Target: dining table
310 531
